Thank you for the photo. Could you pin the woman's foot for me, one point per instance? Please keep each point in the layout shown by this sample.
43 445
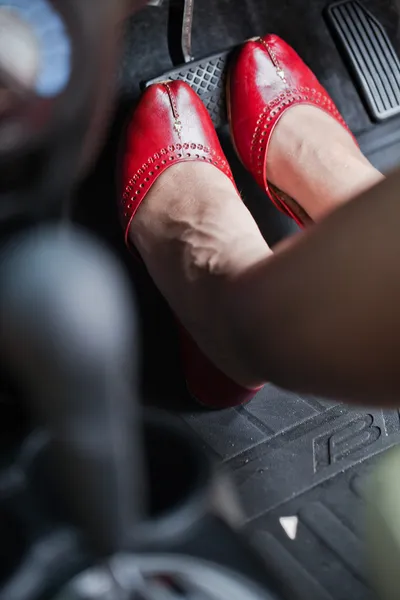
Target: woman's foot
195 234
182 212
288 132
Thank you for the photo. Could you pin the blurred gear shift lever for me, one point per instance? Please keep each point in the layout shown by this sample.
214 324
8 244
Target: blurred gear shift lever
68 334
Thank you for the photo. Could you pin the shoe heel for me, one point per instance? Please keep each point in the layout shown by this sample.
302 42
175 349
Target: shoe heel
209 386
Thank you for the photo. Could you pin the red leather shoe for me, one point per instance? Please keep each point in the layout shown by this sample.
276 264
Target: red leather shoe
171 125
266 79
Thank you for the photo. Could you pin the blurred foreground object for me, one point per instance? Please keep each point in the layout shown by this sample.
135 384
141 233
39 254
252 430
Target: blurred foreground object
69 335
19 56
57 67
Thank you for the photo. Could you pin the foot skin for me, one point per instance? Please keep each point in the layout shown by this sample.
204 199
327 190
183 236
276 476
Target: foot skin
313 158
194 234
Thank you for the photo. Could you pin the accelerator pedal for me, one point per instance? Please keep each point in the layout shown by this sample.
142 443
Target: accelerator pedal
370 56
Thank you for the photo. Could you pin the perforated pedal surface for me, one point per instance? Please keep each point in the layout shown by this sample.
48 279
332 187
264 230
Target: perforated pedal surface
370 56
207 77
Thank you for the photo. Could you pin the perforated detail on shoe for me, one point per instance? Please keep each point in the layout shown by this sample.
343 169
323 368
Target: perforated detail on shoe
273 110
145 176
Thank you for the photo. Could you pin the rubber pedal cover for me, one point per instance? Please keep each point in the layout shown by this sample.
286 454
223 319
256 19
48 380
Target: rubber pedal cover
207 77
370 56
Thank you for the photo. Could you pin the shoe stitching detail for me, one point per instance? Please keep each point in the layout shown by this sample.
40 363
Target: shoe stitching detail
271 52
154 164
175 112
274 107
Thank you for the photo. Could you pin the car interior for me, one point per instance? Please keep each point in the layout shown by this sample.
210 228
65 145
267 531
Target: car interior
298 465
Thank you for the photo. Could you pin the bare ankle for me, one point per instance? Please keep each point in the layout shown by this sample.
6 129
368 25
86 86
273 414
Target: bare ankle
195 236
317 162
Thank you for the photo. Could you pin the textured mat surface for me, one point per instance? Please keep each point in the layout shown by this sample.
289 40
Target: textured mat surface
306 458
291 456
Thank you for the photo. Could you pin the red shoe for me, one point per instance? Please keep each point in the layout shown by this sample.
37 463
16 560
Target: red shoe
171 125
266 79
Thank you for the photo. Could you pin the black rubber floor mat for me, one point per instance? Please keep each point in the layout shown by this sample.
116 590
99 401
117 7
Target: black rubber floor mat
370 56
207 77
305 459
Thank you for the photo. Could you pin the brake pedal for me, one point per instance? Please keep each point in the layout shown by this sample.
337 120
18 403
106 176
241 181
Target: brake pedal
207 77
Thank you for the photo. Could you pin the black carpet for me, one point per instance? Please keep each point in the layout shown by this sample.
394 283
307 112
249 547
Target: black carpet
291 455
